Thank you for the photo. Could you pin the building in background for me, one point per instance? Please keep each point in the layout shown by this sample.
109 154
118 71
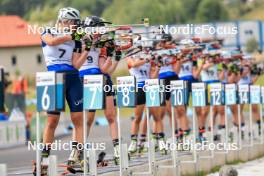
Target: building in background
18 49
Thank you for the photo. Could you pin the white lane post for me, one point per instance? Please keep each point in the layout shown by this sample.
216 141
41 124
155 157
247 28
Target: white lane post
124 159
212 130
173 137
92 162
150 154
261 122
38 157
3 170
85 164
52 165
194 135
250 125
120 142
226 132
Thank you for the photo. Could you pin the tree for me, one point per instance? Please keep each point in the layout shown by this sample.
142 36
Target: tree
158 11
211 10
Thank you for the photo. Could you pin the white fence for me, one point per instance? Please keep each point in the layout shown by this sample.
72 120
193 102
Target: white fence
12 133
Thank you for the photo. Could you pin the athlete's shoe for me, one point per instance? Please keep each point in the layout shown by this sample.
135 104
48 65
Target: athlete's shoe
116 154
74 157
43 166
143 147
162 146
132 149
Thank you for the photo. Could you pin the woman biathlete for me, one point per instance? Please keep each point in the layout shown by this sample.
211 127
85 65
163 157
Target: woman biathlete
142 68
170 67
190 73
62 54
210 74
103 61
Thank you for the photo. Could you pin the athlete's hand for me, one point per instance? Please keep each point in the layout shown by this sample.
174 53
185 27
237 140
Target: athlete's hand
118 55
88 42
77 35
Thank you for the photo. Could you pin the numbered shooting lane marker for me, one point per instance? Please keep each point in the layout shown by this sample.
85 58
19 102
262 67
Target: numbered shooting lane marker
46 91
198 94
93 92
243 98
2 88
179 93
126 97
261 113
126 91
255 99
230 94
216 94
243 94
255 94
262 94
154 96
93 98
60 92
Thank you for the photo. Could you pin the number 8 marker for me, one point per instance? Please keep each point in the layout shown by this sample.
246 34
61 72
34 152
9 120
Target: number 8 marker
126 88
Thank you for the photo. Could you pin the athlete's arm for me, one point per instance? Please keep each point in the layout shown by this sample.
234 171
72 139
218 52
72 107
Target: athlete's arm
176 65
135 62
197 70
154 71
104 61
53 40
207 65
221 74
254 79
79 55
79 58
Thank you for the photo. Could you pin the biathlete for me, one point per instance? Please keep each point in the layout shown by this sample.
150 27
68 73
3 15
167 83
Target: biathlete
142 67
62 54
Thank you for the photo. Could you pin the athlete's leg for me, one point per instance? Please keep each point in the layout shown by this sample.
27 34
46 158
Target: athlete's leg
136 122
135 128
110 114
256 116
49 130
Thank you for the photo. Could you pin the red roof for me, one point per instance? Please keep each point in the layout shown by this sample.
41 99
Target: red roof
14 33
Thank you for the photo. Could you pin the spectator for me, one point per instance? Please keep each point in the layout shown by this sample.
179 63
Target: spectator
19 90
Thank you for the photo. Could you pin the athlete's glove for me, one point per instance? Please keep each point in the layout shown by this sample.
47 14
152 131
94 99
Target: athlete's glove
118 55
88 43
110 48
77 35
